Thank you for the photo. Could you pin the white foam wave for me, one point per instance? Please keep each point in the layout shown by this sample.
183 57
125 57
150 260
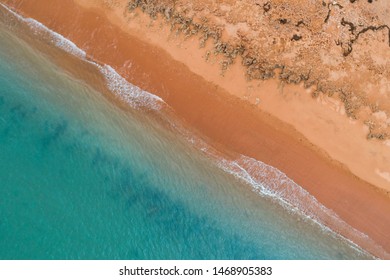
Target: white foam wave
57 39
128 92
268 181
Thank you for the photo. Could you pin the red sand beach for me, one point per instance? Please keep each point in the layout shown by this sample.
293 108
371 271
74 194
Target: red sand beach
212 106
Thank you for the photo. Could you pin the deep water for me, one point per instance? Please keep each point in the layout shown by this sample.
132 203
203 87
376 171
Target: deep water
81 178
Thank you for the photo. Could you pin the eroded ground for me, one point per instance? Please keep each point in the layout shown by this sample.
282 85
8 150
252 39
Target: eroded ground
338 48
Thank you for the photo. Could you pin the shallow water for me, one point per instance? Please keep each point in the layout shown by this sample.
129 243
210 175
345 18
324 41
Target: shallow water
82 179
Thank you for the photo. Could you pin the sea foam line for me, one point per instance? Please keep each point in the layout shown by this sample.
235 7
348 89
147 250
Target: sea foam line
268 181
57 39
264 179
128 92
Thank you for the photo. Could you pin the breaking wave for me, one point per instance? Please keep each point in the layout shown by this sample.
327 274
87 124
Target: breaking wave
129 93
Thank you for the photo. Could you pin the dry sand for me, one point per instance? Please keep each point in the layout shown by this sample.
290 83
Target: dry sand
310 139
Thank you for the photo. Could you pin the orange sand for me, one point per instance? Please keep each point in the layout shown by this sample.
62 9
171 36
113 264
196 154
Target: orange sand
207 102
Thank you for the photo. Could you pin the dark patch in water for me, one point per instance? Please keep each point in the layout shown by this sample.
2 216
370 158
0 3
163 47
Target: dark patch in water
136 190
178 223
106 163
54 132
18 113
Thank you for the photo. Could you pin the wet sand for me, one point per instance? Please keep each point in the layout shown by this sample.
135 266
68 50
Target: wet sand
230 123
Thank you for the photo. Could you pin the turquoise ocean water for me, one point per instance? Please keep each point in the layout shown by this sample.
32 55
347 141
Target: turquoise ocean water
82 179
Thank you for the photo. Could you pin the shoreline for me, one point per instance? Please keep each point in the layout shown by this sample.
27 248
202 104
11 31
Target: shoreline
246 127
324 121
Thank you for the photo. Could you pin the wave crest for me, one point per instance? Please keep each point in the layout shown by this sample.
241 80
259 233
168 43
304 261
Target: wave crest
127 92
270 182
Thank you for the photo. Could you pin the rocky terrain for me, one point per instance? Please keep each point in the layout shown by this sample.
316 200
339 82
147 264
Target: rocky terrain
338 48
